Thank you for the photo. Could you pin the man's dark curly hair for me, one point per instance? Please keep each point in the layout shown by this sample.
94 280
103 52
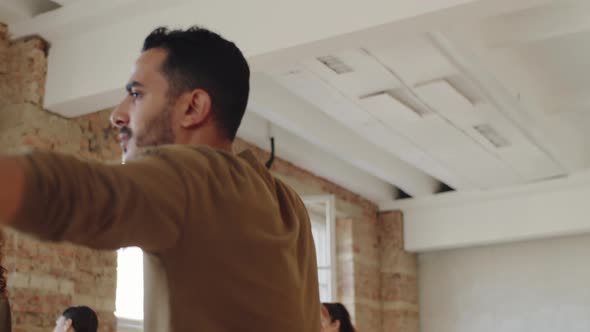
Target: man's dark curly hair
201 59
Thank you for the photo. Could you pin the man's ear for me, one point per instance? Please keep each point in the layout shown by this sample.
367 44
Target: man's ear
336 325
324 311
197 109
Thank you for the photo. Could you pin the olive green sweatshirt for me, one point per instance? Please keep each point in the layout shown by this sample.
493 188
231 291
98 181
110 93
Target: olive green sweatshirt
229 247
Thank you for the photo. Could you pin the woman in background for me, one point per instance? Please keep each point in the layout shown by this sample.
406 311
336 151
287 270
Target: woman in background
335 318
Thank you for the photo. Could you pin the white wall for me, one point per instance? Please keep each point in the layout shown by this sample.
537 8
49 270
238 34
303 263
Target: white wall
539 286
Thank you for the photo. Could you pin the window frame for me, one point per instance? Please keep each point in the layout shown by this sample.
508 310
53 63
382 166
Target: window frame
330 213
126 324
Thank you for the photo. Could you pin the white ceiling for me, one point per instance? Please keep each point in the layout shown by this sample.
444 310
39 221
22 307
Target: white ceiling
14 11
413 101
494 99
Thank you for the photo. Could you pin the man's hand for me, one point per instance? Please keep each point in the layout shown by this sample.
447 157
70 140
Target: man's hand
12 187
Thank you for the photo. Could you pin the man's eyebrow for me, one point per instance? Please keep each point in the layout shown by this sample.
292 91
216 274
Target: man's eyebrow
132 85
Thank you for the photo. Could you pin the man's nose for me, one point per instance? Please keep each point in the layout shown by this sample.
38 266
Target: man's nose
120 116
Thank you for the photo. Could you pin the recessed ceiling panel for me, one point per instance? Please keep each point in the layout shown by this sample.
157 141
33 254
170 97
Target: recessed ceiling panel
415 60
386 108
312 89
366 76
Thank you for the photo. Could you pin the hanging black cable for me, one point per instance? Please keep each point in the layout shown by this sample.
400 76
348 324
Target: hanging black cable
272 153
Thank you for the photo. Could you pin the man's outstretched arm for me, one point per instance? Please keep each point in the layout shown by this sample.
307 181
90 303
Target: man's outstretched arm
12 186
58 197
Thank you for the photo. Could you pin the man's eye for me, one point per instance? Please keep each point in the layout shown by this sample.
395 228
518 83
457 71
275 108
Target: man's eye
134 94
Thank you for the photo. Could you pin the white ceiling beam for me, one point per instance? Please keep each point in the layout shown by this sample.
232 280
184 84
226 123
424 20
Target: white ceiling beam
558 19
13 11
280 106
79 16
462 219
95 42
297 151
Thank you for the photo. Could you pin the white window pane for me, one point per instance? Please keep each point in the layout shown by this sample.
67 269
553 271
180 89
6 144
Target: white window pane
320 237
130 284
324 278
321 211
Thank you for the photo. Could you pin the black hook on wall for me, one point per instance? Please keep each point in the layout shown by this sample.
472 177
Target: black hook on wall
272 153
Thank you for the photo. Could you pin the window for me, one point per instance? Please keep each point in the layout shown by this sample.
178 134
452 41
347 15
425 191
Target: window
321 213
129 304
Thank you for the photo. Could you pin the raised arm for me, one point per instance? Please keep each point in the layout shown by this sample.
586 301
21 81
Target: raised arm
60 198
12 187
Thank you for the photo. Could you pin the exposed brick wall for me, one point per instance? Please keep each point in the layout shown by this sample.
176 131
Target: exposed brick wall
22 69
358 267
44 278
377 278
398 274
4 63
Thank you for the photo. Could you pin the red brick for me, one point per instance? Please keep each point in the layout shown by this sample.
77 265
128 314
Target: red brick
391 230
367 283
399 288
400 321
55 272
368 318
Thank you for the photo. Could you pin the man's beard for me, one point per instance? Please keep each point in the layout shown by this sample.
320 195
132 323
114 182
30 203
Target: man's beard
158 131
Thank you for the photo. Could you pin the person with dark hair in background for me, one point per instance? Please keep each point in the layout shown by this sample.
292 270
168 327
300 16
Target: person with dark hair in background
228 246
77 319
335 318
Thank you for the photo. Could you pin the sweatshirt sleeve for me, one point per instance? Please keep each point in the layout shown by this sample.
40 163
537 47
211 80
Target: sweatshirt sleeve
141 203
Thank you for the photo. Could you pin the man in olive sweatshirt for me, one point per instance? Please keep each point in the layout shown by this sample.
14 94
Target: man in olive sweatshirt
228 246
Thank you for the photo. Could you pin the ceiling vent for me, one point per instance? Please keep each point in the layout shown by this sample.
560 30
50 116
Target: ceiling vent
386 106
335 64
466 88
407 98
403 98
490 134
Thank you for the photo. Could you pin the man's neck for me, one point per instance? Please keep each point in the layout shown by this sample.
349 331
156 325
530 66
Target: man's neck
224 146
206 136
221 145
